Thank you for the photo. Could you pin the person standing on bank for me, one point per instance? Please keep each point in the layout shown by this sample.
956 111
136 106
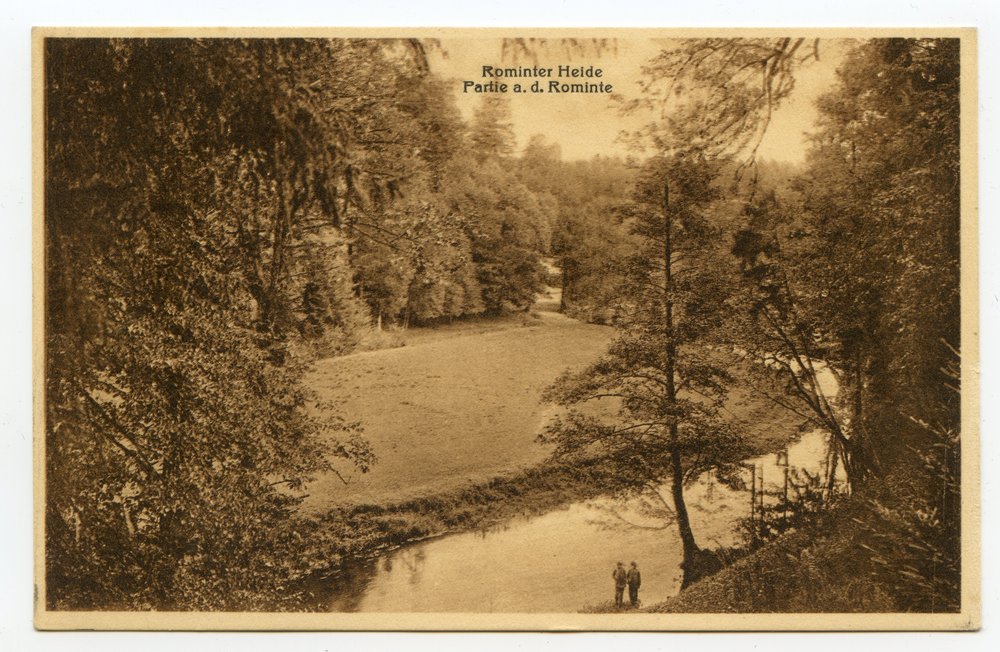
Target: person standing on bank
634 579
620 578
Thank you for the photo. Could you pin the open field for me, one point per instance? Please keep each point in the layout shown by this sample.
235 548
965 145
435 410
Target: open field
450 410
459 405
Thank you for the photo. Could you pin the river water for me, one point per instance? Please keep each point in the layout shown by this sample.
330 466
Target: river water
561 561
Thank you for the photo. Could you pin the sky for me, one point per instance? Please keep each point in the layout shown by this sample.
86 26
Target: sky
589 124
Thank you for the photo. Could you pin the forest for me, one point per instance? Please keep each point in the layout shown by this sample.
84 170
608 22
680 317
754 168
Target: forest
220 214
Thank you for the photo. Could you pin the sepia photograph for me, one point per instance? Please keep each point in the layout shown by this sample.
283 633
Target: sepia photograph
521 329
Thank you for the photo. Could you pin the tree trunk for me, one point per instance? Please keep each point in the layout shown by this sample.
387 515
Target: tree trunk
280 228
860 463
562 292
831 480
676 465
683 521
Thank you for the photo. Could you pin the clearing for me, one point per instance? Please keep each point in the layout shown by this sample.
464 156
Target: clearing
460 404
450 409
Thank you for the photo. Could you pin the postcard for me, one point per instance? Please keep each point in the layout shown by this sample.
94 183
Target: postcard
506 329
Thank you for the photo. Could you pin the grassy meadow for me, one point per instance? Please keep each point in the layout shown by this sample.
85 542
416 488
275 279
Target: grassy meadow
456 407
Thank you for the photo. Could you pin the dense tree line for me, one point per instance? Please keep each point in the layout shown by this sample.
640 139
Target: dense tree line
858 266
589 223
209 205
214 207
847 266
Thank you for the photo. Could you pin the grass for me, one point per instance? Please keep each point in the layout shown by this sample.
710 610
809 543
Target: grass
454 408
792 574
470 325
460 405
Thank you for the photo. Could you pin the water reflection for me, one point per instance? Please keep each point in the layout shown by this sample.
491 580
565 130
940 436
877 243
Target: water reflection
561 561
344 592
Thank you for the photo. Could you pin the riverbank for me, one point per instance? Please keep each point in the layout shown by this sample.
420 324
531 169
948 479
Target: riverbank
795 573
356 532
874 552
353 533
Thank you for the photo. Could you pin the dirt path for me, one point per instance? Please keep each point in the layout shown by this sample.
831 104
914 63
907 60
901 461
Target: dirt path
447 413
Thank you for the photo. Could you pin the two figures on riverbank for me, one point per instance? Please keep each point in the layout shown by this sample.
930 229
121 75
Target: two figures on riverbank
632 579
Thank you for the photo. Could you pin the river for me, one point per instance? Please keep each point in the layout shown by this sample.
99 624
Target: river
561 561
